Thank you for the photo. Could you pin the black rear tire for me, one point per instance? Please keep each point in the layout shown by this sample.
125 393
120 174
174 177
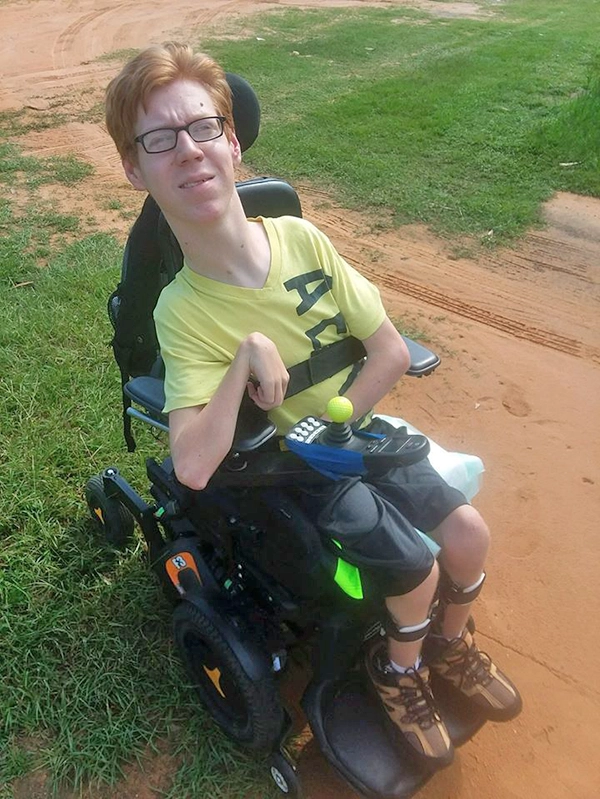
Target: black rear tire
111 518
249 712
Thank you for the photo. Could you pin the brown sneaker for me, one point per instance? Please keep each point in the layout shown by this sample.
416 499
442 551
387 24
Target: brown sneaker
410 707
473 673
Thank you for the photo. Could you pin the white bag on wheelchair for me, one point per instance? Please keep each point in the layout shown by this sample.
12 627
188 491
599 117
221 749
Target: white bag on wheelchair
458 469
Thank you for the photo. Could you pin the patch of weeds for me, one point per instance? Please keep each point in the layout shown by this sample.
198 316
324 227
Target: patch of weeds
9 119
13 162
66 169
93 114
57 223
27 240
34 172
18 123
6 216
457 252
19 253
410 330
122 55
373 256
132 214
113 205
206 755
16 761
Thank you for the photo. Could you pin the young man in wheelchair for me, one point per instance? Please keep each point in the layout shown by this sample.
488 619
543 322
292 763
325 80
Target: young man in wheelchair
256 296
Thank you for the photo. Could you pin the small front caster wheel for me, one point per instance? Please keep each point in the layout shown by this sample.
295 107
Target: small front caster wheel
112 519
285 776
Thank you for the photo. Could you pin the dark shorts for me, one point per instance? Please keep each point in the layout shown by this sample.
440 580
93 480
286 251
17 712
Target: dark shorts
376 523
422 496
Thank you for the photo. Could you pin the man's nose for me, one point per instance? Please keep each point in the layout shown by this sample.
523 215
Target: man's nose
186 147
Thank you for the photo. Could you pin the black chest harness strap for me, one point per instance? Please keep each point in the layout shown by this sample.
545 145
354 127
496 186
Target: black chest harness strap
324 363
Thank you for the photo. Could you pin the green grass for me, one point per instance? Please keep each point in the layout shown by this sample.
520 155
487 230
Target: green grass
464 125
66 169
89 679
461 124
87 664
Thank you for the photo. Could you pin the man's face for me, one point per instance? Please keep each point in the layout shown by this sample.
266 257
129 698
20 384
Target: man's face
195 181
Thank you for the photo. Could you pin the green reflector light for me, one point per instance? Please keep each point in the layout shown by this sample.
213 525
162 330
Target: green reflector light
347 576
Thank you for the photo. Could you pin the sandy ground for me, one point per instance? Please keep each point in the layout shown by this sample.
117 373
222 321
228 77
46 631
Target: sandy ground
520 386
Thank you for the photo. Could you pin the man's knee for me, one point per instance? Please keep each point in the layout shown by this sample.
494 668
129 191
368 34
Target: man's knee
465 538
464 528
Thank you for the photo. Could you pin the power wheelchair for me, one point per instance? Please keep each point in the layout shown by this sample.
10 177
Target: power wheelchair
250 577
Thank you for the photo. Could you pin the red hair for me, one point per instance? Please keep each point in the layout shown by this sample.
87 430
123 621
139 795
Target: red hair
158 66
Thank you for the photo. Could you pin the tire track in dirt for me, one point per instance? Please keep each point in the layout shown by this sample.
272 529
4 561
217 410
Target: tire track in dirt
571 260
541 252
65 41
72 41
474 313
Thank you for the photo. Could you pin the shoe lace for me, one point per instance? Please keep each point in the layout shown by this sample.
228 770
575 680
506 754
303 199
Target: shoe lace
471 665
417 700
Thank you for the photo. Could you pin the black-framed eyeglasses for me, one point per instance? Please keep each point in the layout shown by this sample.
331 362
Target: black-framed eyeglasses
162 140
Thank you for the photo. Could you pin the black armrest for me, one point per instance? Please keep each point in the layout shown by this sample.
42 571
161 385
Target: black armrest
149 392
422 360
253 427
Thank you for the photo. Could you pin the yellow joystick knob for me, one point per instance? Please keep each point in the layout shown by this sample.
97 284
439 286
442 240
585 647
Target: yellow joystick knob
339 409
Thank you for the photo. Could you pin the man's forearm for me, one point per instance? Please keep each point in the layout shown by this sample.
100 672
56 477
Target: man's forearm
201 437
204 436
387 360
372 384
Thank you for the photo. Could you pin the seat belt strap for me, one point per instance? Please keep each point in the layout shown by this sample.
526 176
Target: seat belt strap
324 363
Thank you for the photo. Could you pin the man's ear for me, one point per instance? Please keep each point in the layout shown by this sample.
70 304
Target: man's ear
236 149
133 174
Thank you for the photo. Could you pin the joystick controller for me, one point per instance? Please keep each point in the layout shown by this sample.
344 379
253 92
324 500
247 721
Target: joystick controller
335 449
339 432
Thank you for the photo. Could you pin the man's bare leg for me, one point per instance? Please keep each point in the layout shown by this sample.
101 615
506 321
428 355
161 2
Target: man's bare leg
451 652
465 540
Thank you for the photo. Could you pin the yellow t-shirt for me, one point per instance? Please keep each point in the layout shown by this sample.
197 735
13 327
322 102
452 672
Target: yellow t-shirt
311 298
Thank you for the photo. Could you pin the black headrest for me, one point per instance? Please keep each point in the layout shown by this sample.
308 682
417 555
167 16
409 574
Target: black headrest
246 110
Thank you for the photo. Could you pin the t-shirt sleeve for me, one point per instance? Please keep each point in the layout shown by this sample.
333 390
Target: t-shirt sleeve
358 299
194 367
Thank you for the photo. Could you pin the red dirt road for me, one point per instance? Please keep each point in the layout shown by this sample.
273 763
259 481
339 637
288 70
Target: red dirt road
519 332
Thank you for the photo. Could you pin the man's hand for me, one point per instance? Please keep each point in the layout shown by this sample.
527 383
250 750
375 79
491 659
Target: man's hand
201 436
269 377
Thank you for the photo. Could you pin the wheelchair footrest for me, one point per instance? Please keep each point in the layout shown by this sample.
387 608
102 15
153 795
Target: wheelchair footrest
349 726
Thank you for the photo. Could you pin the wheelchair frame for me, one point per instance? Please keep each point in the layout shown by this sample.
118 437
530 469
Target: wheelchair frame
254 620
